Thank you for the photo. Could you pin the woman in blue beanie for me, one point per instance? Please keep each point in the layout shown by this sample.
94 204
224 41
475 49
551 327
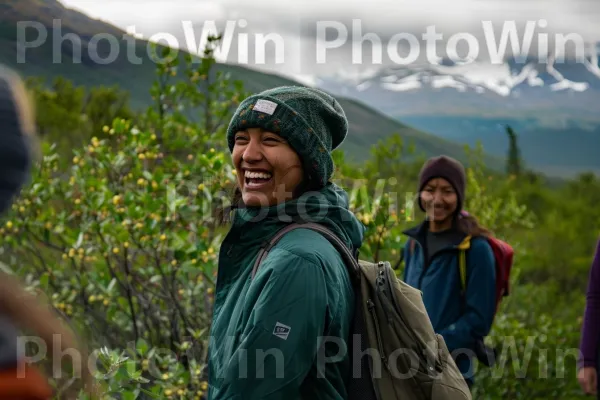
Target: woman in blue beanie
266 327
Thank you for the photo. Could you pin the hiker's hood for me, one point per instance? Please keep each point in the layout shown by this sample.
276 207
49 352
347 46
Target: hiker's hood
328 206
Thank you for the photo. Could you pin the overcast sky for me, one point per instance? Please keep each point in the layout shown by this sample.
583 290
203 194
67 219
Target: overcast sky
295 25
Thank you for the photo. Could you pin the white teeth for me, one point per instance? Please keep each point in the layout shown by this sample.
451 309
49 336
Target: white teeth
257 175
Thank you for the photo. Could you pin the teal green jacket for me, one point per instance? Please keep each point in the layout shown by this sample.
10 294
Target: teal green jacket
266 331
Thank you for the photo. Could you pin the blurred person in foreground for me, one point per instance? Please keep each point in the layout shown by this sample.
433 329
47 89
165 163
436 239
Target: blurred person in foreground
588 362
20 310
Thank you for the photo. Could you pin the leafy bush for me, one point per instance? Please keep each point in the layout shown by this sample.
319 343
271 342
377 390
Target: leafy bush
124 241
537 338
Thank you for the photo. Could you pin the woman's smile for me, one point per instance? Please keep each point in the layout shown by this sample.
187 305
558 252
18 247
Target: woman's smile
257 179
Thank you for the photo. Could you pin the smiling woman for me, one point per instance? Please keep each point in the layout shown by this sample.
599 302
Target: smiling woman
267 327
432 262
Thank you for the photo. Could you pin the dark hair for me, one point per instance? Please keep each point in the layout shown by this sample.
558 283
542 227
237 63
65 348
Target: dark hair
222 213
468 224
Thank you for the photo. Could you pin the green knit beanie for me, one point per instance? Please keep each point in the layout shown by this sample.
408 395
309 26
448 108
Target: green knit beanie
312 122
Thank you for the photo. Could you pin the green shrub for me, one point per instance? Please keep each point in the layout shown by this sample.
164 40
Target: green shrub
537 336
124 241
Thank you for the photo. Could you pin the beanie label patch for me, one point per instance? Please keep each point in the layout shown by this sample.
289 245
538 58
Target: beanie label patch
265 106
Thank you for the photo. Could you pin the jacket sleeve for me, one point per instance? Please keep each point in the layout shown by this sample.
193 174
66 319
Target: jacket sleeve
279 344
591 324
480 300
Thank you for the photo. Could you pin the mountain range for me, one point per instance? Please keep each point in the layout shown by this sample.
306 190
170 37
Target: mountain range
552 107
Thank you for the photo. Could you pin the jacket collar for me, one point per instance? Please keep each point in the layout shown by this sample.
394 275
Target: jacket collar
419 233
328 206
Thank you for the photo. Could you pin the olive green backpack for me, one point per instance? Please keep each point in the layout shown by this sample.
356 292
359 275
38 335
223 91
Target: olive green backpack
411 361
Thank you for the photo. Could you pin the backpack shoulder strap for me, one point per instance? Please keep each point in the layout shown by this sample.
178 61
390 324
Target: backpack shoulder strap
462 268
349 260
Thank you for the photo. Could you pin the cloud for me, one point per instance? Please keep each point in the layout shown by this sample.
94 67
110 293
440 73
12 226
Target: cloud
149 17
296 29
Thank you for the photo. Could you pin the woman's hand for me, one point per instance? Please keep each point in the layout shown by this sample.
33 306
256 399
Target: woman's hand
588 379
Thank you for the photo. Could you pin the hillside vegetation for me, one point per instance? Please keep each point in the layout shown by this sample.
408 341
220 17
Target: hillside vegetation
117 232
133 70
559 148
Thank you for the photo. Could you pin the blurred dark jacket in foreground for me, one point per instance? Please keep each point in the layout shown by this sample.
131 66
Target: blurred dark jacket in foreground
20 310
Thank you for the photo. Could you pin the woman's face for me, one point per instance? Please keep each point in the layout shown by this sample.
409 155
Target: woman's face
268 169
439 199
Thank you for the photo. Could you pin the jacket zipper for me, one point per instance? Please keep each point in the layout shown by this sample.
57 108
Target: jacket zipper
371 306
381 276
425 265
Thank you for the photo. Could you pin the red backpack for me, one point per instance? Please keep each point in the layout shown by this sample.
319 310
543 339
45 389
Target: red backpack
503 254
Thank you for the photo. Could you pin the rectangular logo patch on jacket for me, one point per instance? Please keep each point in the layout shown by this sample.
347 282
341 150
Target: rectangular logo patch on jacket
281 330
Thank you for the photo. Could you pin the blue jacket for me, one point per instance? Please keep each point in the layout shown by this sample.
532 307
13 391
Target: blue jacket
460 322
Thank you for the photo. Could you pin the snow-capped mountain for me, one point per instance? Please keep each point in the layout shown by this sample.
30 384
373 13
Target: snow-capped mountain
554 106
421 89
